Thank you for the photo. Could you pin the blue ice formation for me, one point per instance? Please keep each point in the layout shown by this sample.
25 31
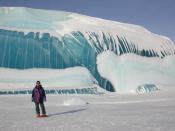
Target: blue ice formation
21 51
146 88
34 49
92 90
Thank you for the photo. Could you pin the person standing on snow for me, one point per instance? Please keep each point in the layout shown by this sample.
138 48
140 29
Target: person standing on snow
38 97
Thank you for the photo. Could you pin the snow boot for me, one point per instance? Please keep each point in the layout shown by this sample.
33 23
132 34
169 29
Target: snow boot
44 115
38 115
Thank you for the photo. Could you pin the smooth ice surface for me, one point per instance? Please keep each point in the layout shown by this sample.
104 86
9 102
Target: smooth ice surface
129 71
111 112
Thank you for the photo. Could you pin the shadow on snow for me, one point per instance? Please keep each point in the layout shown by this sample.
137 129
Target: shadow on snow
66 112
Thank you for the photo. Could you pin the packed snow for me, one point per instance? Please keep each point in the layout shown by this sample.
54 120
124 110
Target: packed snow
107 112
74 102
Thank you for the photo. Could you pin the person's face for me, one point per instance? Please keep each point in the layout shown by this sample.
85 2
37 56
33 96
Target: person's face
37 84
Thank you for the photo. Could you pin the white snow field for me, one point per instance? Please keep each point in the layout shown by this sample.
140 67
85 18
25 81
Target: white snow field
108 112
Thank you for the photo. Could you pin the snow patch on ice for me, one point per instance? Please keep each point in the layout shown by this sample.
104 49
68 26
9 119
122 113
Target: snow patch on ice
75 102
69 78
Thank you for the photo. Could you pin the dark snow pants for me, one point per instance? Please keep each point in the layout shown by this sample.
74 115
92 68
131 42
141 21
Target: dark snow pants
38 109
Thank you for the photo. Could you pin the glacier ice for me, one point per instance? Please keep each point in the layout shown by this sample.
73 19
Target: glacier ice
59 40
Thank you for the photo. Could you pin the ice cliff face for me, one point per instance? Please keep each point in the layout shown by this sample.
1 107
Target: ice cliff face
33 38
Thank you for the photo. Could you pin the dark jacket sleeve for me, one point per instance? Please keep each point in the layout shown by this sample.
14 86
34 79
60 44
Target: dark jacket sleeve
33 95
44 95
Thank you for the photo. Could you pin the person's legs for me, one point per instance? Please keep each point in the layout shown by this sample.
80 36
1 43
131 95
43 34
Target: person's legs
37 108
43 108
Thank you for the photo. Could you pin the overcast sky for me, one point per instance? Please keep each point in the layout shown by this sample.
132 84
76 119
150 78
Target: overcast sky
157 16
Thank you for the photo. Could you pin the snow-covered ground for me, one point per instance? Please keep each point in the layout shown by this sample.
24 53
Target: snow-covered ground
108 112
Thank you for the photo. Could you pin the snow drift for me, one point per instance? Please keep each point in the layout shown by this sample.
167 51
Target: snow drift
76 77
129 71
